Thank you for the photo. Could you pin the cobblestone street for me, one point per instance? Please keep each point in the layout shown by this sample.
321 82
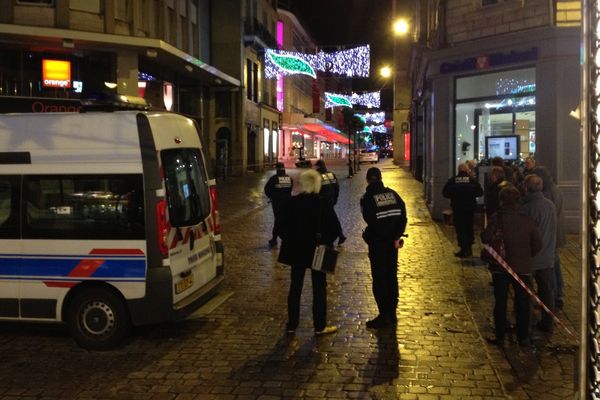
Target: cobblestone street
236 347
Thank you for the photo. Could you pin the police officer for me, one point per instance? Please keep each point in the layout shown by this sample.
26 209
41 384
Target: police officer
385 214
462 190
330 191
279 190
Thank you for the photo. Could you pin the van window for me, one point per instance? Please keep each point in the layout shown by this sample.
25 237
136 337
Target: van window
9 207
84 207
187 186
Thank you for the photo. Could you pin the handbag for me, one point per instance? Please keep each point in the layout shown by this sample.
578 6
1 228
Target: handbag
325 257
496 242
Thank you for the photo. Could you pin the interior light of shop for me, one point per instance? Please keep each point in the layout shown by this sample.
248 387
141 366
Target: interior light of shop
78 86
189 68
68 44
168 95
110 85
151 53
473 127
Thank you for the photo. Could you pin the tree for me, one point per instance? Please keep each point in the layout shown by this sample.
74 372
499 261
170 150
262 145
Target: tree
354 125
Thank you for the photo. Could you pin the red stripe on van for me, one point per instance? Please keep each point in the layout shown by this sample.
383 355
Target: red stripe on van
118 251
59 284
86 268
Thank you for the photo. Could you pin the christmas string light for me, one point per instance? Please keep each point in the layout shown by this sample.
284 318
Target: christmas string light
375 118
378 128
353 63
368 99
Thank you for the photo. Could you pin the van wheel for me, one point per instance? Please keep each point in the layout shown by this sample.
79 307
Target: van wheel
98 319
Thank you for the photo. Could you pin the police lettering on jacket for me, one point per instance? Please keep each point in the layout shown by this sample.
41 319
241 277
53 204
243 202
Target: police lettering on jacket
384 212
279 187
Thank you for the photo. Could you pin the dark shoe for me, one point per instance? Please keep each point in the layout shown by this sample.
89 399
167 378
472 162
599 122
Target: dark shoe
495 341
464 254
341 240
273 242
378 323
290 329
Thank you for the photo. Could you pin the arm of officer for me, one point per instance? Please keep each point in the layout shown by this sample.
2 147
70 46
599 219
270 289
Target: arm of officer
269 186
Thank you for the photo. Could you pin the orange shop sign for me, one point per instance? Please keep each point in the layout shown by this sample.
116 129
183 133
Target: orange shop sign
56 73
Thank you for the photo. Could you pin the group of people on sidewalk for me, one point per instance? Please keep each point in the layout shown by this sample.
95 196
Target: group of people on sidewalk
309 219
523 218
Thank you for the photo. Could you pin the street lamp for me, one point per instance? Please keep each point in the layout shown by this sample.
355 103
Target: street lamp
401 27
385 71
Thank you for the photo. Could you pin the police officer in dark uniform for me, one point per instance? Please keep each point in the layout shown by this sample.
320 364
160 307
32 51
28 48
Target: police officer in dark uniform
385 214
279 190
330 191
462 190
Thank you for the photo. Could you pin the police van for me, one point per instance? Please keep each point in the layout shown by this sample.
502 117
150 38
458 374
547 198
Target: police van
108 220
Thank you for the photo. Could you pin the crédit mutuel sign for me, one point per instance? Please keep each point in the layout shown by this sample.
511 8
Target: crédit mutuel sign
485 61
56 74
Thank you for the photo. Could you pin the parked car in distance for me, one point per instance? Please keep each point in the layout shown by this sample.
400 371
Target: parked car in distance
368 155
386 153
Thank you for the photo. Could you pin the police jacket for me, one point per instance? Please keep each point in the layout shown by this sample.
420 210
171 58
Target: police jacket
384 212
279 187
330 188
462 190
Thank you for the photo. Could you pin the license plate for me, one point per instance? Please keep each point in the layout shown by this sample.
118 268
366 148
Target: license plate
184 284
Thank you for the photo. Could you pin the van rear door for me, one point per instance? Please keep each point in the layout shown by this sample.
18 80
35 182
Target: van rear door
192 254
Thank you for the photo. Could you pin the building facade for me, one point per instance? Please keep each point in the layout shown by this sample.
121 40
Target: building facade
54 52
491 78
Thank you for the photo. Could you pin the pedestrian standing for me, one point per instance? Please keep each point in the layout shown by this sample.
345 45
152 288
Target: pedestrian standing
521 242
309 222
492 190
330 191
385 214
463 190
554 194
279 191
350 164
543 212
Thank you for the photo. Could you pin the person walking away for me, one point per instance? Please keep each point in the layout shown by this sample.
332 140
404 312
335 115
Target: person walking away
554 194
309 222
330 191
543 213
350 164
492 189
522 242
385 214
508 171
279 191
463 190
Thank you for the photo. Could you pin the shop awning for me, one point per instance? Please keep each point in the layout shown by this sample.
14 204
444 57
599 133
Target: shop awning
328 132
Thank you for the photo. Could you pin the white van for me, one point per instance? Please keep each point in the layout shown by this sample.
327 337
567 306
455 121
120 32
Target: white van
107 220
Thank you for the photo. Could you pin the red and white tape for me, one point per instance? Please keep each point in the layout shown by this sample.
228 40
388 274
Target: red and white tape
512 273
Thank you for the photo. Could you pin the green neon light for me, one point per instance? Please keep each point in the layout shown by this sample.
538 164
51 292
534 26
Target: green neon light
339 101
292 64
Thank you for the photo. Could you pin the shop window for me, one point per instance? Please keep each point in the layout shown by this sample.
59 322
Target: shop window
496 104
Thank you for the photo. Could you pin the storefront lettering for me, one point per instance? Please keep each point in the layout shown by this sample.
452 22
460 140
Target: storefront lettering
39 107
57 83
489 61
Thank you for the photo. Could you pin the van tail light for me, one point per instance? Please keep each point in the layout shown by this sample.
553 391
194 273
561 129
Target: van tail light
215 210
163 227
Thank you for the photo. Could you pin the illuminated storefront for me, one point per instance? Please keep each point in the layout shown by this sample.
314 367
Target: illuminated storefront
521 89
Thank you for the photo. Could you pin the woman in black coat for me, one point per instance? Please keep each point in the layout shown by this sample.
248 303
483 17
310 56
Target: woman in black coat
309 222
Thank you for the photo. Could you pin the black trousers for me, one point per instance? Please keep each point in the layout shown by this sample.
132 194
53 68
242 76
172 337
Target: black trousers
278 217
463 225
522 303
384 271
545 280
319 307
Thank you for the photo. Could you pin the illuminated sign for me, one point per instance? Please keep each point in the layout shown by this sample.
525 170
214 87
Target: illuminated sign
56 74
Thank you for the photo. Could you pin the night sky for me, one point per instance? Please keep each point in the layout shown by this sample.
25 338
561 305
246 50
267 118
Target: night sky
350 23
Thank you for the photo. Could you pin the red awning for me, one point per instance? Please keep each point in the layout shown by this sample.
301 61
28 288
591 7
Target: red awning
329 133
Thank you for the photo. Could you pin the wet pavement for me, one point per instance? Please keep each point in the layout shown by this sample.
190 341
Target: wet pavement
237 348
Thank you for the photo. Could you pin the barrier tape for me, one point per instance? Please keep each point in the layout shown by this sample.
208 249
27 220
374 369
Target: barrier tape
512 273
